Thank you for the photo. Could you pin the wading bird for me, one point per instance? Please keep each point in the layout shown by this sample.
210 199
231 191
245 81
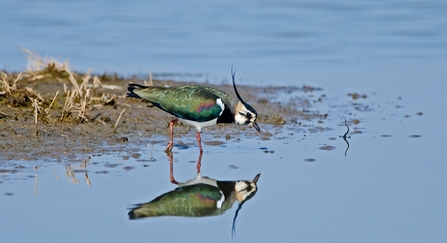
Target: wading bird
197 105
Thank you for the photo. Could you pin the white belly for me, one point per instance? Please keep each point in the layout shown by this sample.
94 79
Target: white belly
200 125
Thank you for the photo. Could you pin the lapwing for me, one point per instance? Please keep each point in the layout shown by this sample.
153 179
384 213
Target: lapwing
197 105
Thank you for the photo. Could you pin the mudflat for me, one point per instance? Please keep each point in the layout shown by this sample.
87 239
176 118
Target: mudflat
51 113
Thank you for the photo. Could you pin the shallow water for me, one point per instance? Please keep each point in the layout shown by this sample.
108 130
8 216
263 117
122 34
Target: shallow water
389 186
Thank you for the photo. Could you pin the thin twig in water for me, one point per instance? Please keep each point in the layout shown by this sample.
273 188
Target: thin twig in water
346 124
345 137
119 117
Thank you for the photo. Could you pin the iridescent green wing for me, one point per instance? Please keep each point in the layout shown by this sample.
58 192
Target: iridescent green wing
192 201
192 102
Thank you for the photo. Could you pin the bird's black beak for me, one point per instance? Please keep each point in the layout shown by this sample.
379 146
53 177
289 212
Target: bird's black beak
255 125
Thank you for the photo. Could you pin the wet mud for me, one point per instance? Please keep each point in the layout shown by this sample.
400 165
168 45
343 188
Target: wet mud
50 132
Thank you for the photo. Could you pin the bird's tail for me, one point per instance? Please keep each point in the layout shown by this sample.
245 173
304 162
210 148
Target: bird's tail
147 210
133 87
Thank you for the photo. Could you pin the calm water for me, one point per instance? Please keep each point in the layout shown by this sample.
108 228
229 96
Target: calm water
390 186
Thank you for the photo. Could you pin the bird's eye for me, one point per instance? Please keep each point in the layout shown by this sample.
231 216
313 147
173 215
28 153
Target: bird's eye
248 115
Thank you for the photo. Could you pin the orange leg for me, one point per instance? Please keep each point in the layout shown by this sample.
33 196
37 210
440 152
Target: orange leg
171 140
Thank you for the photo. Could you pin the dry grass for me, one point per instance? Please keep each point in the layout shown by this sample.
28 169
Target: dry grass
9 88
69 100
78 93
44 67
78 97
81 92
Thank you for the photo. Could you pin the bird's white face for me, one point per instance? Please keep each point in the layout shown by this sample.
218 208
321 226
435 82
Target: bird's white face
243 116
246 189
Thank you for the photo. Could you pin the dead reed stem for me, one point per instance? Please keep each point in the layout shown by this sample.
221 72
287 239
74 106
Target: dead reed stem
119 117
8 88
150 81
14 85
36 106
73 81
4 78
68 104
51 104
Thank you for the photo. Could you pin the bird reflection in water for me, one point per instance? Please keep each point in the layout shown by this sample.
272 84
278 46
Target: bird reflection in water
199 197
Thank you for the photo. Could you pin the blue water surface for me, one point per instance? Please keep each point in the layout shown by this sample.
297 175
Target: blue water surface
389 187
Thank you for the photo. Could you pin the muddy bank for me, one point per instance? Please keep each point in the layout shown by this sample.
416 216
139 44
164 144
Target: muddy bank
37 125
